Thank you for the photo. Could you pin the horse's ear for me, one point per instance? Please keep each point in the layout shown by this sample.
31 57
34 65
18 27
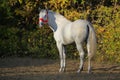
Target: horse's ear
39 9
46 10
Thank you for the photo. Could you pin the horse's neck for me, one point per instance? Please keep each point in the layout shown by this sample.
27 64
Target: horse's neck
61 20
56 21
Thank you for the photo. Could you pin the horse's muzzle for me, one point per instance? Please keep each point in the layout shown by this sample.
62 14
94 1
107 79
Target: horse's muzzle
41 24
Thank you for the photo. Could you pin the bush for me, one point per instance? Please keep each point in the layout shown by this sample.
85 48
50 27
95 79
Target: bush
25 39
8 41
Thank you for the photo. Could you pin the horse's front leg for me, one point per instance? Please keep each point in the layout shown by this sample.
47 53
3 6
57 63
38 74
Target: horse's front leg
62 57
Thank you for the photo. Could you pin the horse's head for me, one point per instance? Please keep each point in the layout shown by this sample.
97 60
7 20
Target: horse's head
43 17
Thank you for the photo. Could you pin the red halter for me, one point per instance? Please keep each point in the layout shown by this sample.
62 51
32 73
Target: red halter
44 21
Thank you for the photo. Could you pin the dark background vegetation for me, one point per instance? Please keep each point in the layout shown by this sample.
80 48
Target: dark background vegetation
20 35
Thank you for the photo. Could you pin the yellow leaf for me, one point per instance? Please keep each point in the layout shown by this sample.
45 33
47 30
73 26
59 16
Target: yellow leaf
20 1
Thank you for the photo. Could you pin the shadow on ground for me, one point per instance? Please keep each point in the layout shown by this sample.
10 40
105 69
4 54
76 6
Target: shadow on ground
45 69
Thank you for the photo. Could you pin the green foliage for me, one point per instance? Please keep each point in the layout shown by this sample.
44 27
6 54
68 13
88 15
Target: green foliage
108 33
5 13
20 36
8 41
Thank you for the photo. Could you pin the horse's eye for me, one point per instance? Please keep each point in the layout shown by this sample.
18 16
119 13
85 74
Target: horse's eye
45 16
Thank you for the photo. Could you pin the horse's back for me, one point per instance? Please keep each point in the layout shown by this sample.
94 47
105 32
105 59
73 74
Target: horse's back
81 23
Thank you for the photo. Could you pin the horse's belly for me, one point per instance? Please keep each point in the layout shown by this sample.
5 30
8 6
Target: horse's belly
67 40
67 36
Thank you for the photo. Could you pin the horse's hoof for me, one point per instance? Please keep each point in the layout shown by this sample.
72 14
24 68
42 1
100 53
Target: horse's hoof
90 72
79 70
62 69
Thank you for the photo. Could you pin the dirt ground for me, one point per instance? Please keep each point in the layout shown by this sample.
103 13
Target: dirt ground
46 69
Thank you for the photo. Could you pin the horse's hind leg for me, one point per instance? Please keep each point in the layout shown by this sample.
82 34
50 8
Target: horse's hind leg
89 58
89 64
81 53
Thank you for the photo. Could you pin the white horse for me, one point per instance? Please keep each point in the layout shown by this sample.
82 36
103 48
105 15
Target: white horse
66 32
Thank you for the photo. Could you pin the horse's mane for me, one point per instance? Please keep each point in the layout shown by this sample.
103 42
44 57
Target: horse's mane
59 16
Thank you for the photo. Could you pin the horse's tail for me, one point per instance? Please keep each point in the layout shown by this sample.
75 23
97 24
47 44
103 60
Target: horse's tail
91 41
